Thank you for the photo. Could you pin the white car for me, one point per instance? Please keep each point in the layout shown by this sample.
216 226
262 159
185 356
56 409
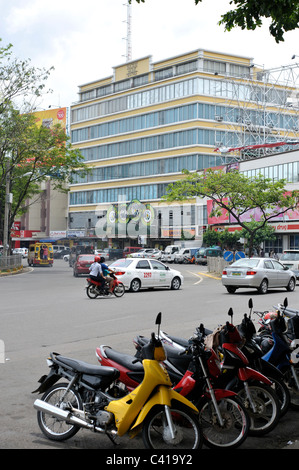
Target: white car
142 253
21 251
146 273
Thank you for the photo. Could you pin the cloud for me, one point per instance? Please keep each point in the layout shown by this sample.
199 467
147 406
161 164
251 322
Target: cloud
85 40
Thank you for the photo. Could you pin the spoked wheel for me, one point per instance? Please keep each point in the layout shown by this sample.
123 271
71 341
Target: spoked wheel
119 290
53 427
267 408
282 393
235 428
156 433
91 291
291 376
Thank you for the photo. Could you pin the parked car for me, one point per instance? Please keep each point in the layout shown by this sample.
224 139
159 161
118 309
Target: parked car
128 250
143 253
146 274
20 251
203 254
185 255
82 264
290 258
104 253
259 273
58 254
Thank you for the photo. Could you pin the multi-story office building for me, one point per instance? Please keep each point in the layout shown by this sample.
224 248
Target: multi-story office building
139 128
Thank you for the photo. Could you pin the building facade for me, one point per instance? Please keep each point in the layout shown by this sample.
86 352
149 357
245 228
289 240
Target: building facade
140 127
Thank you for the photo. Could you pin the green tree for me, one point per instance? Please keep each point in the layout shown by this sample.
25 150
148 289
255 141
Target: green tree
249 14
28 154
237 194
263 234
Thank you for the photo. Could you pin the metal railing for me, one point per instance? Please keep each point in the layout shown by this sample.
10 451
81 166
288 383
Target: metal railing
10 263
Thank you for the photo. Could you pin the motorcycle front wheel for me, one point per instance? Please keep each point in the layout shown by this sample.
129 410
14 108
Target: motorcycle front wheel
91 291
119 290
235 428
267 408
187 432
54 428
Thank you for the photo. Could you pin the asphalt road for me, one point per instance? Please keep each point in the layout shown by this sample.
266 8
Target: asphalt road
46 309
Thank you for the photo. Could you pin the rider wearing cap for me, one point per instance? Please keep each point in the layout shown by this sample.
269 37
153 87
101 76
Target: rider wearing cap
96 272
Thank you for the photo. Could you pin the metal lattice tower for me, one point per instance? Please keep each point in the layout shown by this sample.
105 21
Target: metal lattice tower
262 109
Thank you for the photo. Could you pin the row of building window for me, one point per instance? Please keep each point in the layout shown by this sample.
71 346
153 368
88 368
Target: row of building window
167 141
113 195
230 90
211 66
160 166
180 114
287 171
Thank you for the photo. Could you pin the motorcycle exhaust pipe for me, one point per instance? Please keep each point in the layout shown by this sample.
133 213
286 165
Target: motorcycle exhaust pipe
61 414
69 418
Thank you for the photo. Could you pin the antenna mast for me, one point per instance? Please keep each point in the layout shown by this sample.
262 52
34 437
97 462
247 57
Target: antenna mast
128 38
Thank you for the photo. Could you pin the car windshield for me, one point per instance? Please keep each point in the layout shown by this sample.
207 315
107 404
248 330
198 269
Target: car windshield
290 257
86 258
121 263
252 262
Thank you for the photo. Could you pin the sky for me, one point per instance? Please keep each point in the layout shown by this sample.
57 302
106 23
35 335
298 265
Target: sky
84 40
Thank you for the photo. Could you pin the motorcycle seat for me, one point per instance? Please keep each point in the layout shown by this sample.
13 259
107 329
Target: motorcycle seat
90 369
125 360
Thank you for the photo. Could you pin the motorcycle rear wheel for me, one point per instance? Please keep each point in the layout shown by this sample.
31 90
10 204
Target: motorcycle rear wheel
267 406
55 428
156 434
119 290
236 423
91 291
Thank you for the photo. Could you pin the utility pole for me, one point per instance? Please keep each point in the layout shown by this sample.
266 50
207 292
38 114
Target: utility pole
8 202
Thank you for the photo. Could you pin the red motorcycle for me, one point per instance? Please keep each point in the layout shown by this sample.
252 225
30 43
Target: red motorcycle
95 289
225 422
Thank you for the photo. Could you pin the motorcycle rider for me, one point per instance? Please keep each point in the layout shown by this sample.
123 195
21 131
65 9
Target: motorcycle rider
96 272
106 270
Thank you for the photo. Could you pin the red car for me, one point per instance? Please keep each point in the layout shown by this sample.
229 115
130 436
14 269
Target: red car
82 264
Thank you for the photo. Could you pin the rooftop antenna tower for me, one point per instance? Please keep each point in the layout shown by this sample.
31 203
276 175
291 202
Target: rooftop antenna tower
128 38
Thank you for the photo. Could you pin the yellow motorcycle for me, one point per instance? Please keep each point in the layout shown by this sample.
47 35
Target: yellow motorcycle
92 400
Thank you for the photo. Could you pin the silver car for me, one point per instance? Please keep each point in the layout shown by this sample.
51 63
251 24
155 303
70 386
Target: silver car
259 273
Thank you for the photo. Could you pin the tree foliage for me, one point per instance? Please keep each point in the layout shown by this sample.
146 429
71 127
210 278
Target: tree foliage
249 14
237 194
29 154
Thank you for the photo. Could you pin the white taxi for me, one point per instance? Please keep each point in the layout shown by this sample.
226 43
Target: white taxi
146 274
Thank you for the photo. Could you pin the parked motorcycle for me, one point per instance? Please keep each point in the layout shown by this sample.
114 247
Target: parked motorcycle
165 418
282 353
94 289
224 420
252 387
254 354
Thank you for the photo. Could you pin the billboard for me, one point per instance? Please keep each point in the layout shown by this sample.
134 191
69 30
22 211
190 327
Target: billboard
49 117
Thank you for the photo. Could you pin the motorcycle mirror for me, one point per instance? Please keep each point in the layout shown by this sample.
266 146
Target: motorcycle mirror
285 302
250 306
231 313
158 322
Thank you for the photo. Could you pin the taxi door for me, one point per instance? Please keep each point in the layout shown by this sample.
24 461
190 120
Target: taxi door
145 273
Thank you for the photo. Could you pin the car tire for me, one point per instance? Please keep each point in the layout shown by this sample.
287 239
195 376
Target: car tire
263 287
135 285
175 283
231 290
291 285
